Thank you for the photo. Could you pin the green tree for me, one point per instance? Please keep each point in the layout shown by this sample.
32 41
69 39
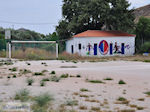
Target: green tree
142 32
82 15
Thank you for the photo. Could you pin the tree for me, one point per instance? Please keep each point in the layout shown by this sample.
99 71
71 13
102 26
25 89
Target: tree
82 15
142 31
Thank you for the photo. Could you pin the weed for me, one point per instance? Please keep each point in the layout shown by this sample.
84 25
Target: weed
30 81
78 76
43 99
64 76
42 83
97 109
44 71
22 95
8 77
141 99
147 61
38 73
127 110
84 90
45 79
25 71
85 96
14 76
147 93
121 99
14 69
53 72
83 108
121 82
108 78
140 108
71 102
95 81
55 78
28 63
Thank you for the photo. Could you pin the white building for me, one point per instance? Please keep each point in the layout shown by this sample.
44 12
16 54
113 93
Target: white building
102 43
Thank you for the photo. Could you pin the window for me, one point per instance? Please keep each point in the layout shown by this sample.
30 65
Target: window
79 46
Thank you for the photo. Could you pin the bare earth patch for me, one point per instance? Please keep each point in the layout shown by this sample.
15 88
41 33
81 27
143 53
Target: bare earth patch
83 96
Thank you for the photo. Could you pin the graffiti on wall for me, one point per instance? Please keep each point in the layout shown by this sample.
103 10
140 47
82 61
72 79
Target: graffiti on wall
103 47
89 49
117 49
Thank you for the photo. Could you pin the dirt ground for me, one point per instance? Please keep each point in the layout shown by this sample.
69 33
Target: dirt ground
103 95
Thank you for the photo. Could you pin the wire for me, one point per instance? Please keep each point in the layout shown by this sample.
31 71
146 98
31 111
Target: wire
21 23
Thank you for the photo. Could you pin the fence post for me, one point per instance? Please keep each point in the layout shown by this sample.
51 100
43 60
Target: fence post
57 50
9 44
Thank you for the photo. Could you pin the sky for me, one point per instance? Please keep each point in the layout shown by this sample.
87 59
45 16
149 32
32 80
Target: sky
38 15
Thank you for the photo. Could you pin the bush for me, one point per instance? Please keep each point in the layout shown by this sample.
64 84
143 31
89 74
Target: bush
78 76
25 71
84 90
22 95
38 73
42 83
13 69
145 48
14 76
108 78
46 79
95 81
43 99
121 82
64 76
30 81
55 78
53 72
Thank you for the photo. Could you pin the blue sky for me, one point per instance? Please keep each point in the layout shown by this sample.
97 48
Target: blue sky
38 11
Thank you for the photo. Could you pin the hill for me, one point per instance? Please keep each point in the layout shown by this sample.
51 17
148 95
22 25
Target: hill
142 11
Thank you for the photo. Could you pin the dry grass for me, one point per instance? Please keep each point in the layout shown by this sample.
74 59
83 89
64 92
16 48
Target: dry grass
70 57
33 54
82 107
2 53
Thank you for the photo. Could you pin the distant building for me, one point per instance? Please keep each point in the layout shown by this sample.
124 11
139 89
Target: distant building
102 43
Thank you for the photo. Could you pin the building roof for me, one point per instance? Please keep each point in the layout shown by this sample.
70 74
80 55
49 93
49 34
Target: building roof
98 33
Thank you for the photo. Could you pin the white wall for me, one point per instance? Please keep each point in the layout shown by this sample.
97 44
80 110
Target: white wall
128 41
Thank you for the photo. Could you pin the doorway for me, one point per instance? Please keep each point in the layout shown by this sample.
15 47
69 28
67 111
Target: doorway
72 49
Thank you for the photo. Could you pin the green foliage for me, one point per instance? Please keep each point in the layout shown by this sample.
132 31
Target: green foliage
55 78
53 72
64 76
121 82
71 102
84 90
121 99
145 48
108 78
2 44
142 34
42 83
95 81
22 95
82 15
38 73
30 81
147 93
14 69
43 99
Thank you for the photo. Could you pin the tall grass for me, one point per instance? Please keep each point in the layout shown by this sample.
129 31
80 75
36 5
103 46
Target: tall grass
33 54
